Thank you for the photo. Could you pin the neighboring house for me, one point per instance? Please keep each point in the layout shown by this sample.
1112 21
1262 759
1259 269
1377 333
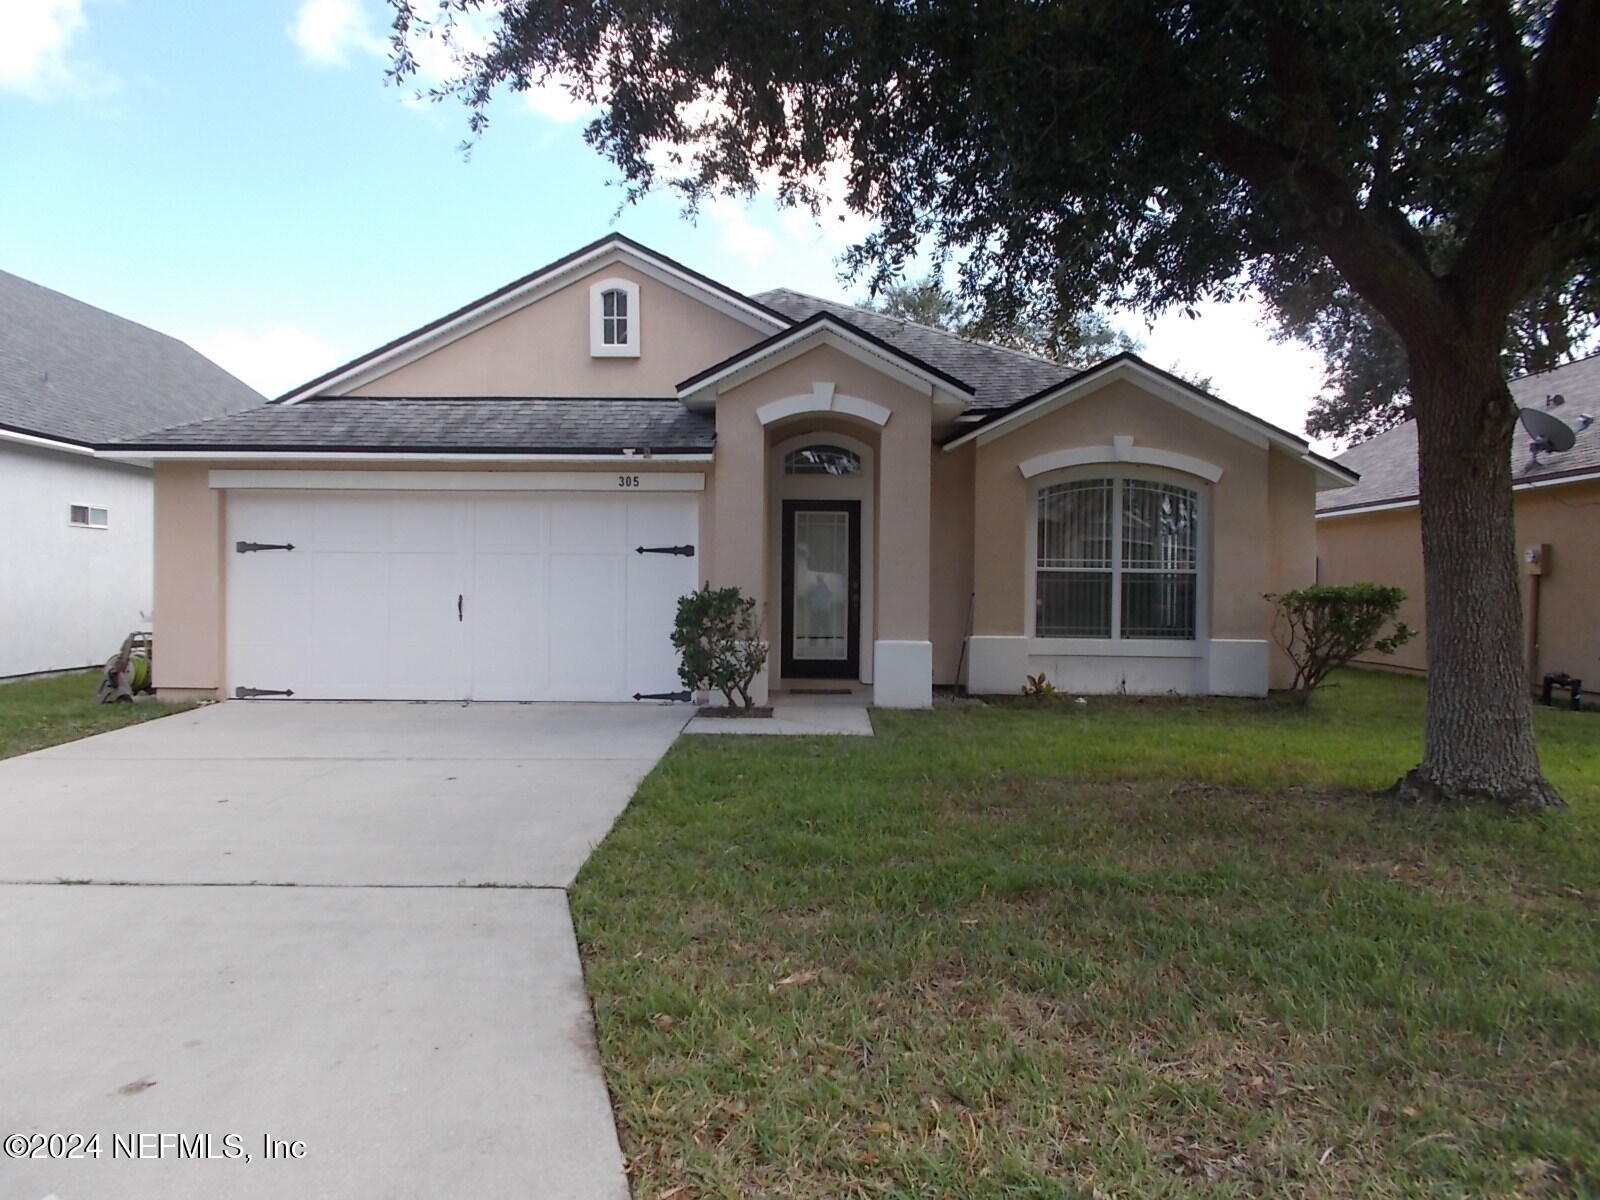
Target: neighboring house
1372 531
507 503
76 537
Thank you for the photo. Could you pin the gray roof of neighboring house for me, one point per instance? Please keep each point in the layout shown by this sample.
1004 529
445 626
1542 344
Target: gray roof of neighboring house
1388 463
77 373
999 376
521 424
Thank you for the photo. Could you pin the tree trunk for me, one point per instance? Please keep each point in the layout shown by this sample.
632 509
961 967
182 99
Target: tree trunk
1479 743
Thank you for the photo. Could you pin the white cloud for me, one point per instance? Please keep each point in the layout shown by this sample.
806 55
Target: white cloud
1233 344
33 50
329 31
270 360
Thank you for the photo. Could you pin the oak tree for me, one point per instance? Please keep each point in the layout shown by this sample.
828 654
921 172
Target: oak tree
1437 158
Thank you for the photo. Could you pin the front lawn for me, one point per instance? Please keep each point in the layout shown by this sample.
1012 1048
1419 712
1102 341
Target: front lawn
35 713
1120 949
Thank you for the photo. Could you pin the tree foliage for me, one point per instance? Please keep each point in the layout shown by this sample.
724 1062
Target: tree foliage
1079 339
718 638
1322 628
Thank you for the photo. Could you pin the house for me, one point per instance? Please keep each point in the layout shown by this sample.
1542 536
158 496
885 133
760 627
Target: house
506 503
1372 531
77 536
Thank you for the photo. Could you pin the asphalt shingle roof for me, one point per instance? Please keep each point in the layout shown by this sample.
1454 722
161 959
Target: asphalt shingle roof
524 424
71 371
1387 463
1000 376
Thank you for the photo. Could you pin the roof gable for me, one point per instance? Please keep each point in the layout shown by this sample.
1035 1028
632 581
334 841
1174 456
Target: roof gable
999 376
519 293
1164 386
824 328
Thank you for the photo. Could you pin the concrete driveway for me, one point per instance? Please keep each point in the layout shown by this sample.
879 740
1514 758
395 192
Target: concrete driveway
338 925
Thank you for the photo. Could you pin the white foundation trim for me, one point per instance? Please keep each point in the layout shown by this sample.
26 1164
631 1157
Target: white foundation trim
1237 667
996 666
820 399
902 674
1121 450
465 481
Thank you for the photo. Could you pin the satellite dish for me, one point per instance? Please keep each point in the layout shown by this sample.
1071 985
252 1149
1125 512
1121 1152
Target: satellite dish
1550 435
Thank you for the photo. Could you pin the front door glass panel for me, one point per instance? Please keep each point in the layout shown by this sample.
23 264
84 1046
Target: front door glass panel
820 617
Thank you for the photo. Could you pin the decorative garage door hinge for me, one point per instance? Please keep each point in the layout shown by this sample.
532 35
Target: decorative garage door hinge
680 696
685 551
244 693
252 547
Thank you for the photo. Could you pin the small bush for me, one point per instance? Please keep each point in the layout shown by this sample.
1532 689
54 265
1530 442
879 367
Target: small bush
718 639
1323 627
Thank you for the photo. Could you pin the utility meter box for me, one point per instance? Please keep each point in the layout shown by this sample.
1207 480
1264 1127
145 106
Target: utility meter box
1537 559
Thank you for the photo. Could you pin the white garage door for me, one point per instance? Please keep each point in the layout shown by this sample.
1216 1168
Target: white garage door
435 596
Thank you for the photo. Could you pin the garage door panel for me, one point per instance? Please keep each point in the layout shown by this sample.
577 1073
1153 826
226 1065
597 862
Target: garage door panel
354 523
586 612
510 627
588 525
655 582
348 636
424 522
511 523
425 635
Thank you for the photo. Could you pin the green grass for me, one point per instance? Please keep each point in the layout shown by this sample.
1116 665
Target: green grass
35 713
1171 948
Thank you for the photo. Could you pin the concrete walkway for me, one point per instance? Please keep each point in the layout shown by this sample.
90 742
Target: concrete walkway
411 1009
797 716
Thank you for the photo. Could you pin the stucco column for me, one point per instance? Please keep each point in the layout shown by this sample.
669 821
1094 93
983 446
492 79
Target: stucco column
739 523
187 621
997 651
902 660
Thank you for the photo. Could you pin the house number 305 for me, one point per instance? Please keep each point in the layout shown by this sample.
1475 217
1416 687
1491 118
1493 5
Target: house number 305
627 481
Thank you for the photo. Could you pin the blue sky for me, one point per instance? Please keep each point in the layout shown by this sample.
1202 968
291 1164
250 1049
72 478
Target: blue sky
240 175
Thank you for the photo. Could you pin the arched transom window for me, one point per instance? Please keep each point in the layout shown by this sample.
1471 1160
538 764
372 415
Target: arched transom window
822 460
1117 557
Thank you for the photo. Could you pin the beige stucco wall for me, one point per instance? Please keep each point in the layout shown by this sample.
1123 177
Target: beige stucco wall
1386 547
191 541
1240 504
950 558
542 349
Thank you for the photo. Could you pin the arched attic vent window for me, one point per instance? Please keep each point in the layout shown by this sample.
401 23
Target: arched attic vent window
614 319
821 460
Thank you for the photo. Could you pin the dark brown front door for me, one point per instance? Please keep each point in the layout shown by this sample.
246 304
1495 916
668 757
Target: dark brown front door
821 589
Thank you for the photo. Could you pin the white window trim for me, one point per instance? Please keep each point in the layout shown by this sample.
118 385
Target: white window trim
1115 647
597 319
91 523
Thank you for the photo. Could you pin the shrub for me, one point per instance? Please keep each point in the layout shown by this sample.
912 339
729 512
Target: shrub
718 639
1321 628
1038 685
